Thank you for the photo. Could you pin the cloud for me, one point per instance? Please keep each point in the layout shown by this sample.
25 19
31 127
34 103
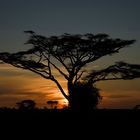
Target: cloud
11 99
122 99
17 85
118 96
10 71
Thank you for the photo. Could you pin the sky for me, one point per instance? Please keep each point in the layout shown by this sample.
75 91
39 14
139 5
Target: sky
118 18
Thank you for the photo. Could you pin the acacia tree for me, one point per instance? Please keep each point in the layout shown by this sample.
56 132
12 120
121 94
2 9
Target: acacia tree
53 104
26 104
69 55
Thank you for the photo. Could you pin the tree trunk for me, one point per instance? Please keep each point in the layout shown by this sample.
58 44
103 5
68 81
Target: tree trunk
60 88
71 93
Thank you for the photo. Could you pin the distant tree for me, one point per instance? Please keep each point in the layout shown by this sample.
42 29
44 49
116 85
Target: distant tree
53 104
26 104
69 55
137 107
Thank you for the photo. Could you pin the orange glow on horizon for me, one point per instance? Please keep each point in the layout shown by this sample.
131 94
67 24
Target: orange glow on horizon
17 85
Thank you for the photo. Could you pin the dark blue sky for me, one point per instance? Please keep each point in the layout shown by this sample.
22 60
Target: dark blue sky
119 18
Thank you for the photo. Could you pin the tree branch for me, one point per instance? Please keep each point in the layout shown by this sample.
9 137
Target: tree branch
61 61
61 72
121 70
60 87
78 77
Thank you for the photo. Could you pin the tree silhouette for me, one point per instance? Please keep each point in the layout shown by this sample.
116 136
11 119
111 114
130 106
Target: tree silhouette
69 55
84 96
26 104
53 104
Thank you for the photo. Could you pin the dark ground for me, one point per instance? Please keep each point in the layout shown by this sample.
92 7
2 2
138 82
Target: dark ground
99 114
70 124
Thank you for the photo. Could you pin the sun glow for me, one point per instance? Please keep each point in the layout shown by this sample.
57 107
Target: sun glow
17 85
24 84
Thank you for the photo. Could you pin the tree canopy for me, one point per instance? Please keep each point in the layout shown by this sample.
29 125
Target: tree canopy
26 104
68 54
